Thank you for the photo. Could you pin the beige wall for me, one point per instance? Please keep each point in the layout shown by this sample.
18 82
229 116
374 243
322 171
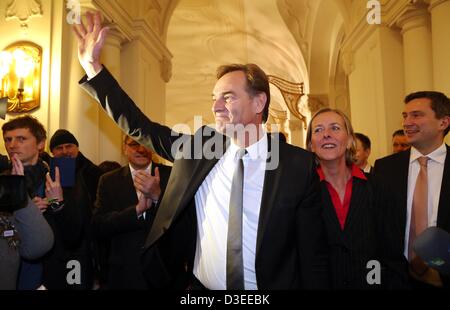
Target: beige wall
393 59
376 89
44 32
143 81
63 103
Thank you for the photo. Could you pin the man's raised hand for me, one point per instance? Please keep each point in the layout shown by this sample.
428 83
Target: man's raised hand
90 42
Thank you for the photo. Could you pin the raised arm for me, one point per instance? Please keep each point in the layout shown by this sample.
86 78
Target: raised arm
102 86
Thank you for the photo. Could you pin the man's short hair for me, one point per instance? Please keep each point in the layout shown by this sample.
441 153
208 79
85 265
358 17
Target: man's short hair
365 141
440 103
398 132
257 81
26 121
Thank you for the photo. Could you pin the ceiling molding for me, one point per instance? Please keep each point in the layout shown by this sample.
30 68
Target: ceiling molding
133 29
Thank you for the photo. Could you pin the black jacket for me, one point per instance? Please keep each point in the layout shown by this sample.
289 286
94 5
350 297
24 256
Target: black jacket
392 173
72 230
290 227
115 221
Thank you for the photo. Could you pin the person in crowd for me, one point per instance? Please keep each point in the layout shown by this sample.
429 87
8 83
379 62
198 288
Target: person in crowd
24 137
350 210
126 205
71 215
4 163
24 231
417 183
218 224
399 141
108 165
363 147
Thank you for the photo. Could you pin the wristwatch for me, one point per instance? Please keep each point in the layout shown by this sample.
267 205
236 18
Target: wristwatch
56 205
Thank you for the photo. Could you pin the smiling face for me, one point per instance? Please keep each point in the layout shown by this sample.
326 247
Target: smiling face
422 128
233 105
329 137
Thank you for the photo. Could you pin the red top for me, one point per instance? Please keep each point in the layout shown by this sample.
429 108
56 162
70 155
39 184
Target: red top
342 207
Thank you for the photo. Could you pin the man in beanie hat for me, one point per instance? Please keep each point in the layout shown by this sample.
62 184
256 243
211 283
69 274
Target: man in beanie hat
72 224
64 142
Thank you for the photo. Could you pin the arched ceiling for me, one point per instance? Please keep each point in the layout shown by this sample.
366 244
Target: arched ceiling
297 40
203 34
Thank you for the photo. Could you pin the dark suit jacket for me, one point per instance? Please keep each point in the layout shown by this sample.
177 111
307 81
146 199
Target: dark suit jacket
391 172
290 226
4 163
115 220
358 243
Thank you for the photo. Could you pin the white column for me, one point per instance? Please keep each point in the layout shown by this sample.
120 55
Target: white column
110 136
440 21
416 32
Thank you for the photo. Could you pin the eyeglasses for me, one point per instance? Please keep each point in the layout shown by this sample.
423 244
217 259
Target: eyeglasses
133 145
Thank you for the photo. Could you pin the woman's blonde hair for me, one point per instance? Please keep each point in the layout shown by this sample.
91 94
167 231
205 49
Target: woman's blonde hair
350 151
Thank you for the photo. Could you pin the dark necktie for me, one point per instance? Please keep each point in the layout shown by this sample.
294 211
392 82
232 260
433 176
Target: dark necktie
235 261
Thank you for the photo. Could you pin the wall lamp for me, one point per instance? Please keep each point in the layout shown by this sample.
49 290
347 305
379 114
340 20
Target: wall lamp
20 76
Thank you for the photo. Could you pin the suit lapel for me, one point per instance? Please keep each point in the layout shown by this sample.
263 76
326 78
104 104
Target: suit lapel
200 172
329 212
168 214
272 180
357 200
402 181
129 190
443 219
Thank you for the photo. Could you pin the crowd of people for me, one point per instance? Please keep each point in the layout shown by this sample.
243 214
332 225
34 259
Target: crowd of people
313 220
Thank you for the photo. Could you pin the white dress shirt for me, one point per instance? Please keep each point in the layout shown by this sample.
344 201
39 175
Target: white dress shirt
212 203
367 168
435 170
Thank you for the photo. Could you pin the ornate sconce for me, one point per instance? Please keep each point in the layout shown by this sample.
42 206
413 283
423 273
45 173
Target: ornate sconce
292 92
20 76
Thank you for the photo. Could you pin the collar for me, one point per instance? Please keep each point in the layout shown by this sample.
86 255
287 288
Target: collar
256 151
148 169
438 155
355 173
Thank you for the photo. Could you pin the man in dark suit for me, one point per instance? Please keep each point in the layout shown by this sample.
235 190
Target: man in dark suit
282 230
126 205
426 121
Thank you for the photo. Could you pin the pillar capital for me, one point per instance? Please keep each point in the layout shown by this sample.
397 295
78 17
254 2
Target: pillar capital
436 3
114 37
415 17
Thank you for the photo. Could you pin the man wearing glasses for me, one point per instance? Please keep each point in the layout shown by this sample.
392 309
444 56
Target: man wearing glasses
126 205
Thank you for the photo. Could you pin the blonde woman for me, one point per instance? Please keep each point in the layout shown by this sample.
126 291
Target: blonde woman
350 213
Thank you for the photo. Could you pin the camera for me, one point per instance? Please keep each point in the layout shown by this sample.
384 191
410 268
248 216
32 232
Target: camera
13 193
